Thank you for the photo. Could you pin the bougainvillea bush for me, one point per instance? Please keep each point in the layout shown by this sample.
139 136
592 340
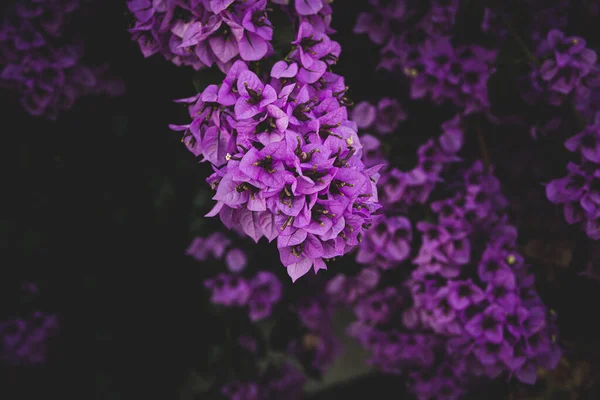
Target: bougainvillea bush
415 181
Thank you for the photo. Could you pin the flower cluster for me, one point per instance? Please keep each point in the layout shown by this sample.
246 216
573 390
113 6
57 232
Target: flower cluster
567 69
579 191
389 241
288 157
23 341
343 289
259 293
379 328
487 305
444 72
424 52
216 246
470 300
201 33
380 24
384 117
401 189
444 381
47 75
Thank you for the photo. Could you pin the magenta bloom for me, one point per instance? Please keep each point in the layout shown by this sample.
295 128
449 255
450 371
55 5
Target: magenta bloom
286 157
201 34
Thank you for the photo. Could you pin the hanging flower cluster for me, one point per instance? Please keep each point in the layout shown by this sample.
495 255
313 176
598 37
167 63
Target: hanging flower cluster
202 33
443 294
288 157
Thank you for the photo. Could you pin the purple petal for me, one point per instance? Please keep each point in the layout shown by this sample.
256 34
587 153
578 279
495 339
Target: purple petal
225 48
252 47
291 237
250 224
308 7
282 70
299 269
236 260
267 224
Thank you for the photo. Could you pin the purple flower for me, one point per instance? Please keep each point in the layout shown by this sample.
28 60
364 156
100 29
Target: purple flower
228 290
346 290
374 25
364 114
587 141
236 260
462 294
254 95
389 115
308 7
289 163
266 292
488 325
567 65
200 34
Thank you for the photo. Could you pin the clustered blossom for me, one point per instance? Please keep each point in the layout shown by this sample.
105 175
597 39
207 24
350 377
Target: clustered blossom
380 24
424 52
317 13
389 241
343 289
470 297
24 341
379 328
401 189
567 69
217 246
49 77
286 156
202 33
259 293
444 72
289 165
579 191
384 118
445 381
487 305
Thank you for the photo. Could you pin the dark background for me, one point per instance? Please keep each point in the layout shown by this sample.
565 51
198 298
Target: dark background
97 207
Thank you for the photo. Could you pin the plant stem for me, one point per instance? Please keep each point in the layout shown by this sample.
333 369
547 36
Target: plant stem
520 41
483 148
